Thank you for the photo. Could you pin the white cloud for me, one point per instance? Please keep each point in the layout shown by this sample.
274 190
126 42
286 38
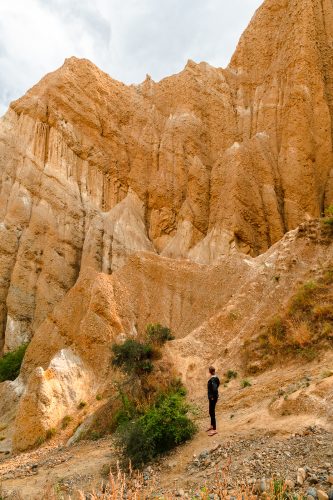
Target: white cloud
126 38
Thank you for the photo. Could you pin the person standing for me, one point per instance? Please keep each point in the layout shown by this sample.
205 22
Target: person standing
213 395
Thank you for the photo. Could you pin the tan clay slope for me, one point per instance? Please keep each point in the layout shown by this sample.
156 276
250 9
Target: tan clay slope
194 166
211 310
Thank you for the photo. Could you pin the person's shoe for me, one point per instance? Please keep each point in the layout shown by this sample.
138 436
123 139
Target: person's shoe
212 432
209 429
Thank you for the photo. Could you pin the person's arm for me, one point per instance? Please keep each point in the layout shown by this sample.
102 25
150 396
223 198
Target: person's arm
215 385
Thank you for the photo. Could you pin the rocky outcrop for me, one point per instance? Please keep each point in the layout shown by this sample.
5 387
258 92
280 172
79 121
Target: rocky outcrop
212 311
199 164
202 172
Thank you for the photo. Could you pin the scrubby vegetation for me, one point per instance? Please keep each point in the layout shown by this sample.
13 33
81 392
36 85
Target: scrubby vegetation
216 487
133 357
66 421
327 224
163 425
10 363
230 374
50 433
149 411
328 219
303 330
136 356
245 383
159 334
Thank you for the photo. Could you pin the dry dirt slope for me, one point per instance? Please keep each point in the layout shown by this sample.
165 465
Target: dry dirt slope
257 445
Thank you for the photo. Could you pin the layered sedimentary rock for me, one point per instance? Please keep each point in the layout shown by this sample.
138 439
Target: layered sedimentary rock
191 167
206 165
211 310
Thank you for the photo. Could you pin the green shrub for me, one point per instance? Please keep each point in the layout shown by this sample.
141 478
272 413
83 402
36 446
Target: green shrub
95 435
125 413
231 374
10 363
158 334
329 216
328 221
40 440
81 405
50 433
277 329
66 421
163 426
329 211
133 357
308 353
245 383
303 300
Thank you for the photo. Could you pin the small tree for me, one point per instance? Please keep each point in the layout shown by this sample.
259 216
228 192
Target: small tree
133 357
329 211
158 334
164 425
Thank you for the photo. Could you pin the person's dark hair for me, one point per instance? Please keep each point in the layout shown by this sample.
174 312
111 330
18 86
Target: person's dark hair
212 370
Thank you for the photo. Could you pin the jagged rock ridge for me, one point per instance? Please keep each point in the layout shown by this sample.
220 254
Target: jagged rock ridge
193 166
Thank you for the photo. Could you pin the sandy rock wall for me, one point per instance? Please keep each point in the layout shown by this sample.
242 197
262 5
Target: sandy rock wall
69 357
52 224
200 165
211 310
286 93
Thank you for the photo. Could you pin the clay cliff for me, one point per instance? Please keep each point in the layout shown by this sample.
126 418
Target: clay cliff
203 172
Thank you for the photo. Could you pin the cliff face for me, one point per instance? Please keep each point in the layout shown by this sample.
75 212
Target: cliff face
193 166
202 165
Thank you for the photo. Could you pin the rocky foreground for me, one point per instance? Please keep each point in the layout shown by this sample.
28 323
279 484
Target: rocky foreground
302 463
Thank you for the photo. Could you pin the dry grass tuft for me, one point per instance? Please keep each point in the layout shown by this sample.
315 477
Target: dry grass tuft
133 487
305 328
300 334
323 311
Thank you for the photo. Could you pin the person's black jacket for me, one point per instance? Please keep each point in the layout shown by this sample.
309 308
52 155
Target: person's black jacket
213 387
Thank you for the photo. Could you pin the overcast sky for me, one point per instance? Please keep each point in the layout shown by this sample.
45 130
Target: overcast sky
125 38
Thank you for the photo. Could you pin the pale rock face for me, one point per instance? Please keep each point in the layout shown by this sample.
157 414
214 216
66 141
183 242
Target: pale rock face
115 235
50 395
217 244
10 394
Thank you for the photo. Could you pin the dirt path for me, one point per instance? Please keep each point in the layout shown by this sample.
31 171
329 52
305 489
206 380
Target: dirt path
61 470
255 438
31 475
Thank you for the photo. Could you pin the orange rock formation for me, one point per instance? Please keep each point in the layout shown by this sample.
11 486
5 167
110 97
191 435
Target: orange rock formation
206 165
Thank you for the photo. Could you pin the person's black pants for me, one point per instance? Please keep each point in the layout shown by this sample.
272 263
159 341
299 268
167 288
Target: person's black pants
212 404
